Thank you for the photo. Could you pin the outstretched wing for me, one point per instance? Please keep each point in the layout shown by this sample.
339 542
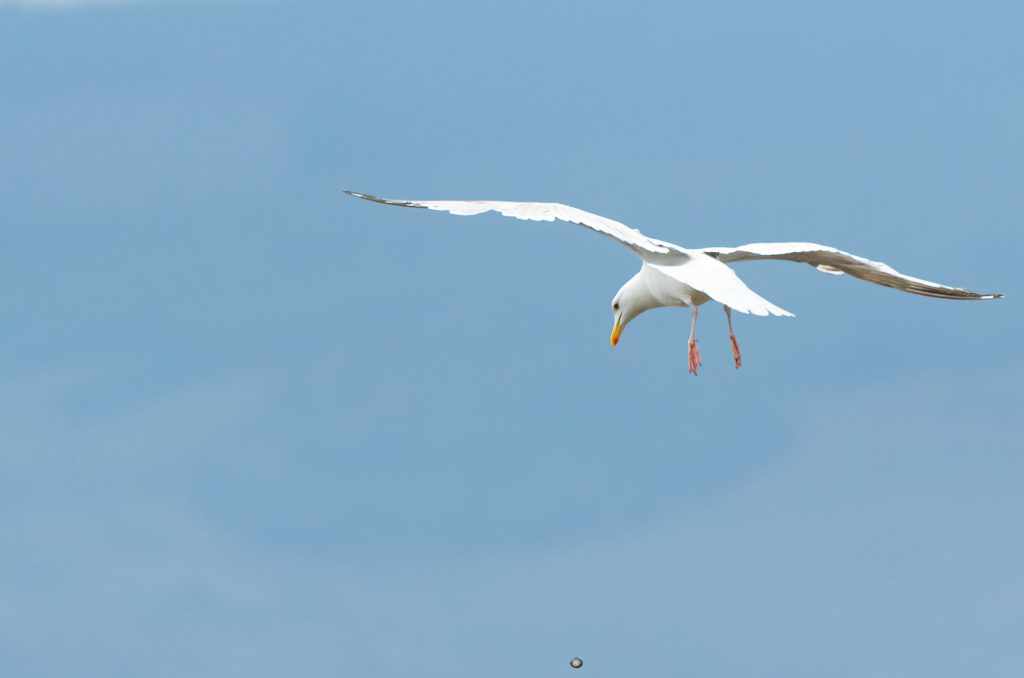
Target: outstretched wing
542 211
837 262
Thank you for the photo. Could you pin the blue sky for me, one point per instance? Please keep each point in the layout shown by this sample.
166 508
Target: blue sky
255 427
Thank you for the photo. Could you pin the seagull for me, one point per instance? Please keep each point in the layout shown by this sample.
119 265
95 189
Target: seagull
671 275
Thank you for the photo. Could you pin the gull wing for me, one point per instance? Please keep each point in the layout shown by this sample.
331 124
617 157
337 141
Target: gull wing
543 211
721 283
837 262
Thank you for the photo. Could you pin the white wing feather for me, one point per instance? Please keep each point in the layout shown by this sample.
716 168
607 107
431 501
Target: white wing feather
542 211
721 283
718 282
837 262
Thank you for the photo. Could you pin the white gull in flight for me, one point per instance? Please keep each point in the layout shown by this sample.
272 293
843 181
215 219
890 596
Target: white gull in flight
676 276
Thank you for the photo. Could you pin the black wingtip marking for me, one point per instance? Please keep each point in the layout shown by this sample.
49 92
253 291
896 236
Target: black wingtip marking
383 201
367 196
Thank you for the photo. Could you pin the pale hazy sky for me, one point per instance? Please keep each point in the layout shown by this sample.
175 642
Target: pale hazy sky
255 427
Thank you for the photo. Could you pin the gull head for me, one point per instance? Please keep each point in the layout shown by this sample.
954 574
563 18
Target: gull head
619 324
631 300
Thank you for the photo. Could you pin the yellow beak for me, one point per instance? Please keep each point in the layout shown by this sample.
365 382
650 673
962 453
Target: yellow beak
616 332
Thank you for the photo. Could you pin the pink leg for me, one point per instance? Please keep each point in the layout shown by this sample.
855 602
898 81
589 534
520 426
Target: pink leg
732 338
694 354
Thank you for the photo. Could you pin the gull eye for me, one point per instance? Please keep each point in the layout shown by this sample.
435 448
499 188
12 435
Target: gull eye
615 306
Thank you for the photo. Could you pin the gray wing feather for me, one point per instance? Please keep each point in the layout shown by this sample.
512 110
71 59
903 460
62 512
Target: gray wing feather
836 262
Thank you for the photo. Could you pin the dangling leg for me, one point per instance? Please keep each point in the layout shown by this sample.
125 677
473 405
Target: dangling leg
694 354
732 338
